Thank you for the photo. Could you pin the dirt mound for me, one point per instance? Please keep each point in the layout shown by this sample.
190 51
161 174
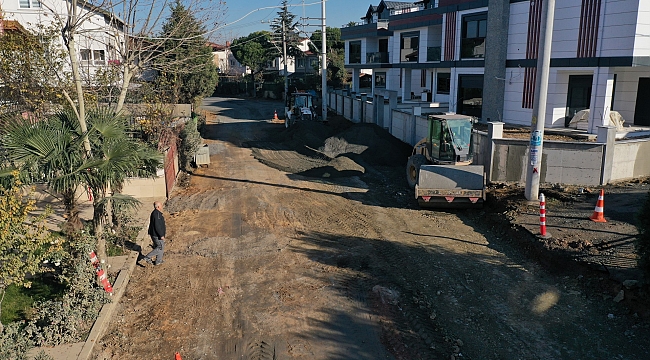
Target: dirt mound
374 144
337 149
339 167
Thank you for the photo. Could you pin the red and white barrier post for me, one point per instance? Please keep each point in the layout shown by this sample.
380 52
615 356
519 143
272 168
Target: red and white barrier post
100 273
93 259
542 217
104 280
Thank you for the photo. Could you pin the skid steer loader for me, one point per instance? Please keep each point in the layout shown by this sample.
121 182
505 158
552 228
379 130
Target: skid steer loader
440 169
300 107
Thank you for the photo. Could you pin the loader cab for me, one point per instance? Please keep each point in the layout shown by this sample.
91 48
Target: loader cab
450 139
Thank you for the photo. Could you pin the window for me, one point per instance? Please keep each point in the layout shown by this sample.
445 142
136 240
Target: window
85 55
444 83
380 79
354 51
92 57
470 95
99 57
27 4
409 46
313 63
300 63
473 36
383 45
423 78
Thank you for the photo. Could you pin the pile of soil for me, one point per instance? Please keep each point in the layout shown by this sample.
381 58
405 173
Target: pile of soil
336 149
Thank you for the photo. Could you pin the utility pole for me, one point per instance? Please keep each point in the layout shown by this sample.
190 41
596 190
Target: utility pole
324 63
539 104
284 57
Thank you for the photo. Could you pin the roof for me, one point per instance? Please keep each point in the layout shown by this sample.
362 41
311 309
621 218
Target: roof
396 5
216 47
12 25
100 10
371 10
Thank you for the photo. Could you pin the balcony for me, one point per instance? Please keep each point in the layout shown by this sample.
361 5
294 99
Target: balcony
371 30
433 53
409 55
377 58
472 48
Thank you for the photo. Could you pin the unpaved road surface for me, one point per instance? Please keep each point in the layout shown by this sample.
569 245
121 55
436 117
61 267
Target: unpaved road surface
335 261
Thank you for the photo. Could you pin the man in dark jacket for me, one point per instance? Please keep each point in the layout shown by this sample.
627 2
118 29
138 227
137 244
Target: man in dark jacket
157 231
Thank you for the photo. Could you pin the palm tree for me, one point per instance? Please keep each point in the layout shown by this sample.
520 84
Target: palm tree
52 151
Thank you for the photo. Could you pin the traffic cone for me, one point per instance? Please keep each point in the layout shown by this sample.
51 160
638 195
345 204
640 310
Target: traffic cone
598 215
177 356
275 115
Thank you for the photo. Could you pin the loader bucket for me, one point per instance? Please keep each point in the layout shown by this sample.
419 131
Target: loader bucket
451 186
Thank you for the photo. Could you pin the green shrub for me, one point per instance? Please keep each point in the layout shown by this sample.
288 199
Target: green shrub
65 318
643 239
190 142
19 300
13 342
200 122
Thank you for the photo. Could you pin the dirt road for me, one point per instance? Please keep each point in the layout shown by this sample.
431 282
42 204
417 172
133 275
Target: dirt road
340 264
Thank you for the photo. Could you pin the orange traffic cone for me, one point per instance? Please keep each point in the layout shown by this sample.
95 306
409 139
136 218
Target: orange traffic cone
177 356
598 215
275 115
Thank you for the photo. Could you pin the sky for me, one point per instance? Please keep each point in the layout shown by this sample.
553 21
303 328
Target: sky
338 13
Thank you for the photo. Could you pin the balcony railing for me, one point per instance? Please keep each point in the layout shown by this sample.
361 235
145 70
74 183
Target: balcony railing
382 24
409 55
377 58
433 53
472 48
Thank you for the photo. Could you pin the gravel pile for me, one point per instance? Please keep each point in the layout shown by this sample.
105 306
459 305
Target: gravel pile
340 148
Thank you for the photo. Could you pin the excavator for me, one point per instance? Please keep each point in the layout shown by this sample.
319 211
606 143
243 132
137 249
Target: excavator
440 167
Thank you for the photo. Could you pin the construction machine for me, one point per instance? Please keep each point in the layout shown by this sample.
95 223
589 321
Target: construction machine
440 168
300 107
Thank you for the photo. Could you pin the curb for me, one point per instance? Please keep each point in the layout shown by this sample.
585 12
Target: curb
105 314
83 350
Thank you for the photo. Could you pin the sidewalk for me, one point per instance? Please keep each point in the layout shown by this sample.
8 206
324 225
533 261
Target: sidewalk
121 265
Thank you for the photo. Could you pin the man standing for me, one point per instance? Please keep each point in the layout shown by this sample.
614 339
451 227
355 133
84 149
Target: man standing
157 231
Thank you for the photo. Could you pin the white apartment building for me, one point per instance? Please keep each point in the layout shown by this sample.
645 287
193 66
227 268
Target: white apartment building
479 57
98 39
226 62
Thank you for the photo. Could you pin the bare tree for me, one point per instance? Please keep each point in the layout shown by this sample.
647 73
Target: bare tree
143 48
131 32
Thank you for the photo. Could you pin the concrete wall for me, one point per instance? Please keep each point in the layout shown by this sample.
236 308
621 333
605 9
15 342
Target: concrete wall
143 188
563 163
339 104
631 159
518 30
578 163
618 21
642 33
627 84
356 111
368 113
347 108
481 147
400 126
